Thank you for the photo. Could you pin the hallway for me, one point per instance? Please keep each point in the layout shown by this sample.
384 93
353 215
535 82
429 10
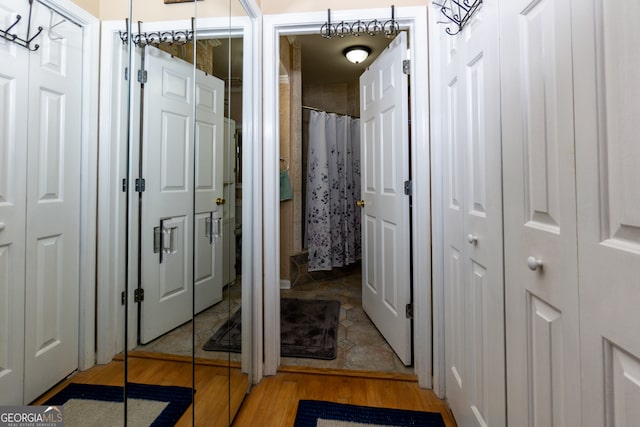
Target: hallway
273 402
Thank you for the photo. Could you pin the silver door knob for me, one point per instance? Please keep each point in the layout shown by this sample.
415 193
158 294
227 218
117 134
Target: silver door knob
472 239
534 263
2 226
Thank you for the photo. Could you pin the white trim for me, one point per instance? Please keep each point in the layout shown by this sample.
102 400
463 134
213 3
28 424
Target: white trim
415 19
437 230
112 169
110 222
421 216
252 200
89 154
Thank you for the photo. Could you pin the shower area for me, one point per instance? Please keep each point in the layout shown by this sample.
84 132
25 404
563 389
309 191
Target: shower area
332 221
320 161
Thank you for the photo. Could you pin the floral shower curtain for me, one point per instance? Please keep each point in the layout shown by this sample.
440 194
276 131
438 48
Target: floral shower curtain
333 187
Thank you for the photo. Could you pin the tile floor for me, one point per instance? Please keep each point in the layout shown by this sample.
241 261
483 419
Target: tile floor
360 345
178 341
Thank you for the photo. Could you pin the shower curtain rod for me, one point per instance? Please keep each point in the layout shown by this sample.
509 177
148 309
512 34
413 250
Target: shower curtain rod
306 107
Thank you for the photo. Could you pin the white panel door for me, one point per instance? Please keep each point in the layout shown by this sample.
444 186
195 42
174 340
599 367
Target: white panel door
167 203
13 166
474 292
386 281
607 108
53 204
209 190
543 348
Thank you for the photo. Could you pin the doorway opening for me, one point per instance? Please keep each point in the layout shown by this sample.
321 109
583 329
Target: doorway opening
413 19
316 78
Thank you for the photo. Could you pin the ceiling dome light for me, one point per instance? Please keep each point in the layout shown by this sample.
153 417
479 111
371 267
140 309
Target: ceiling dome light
356 54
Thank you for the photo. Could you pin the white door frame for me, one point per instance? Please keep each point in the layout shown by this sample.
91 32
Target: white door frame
414 19
89 173
437 219
111 271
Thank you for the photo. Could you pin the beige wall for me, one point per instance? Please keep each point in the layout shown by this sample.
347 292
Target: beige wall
91 6
156 10
291 150
341 98
287 6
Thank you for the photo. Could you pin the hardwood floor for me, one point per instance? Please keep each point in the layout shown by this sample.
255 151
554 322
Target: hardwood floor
273 402
220 389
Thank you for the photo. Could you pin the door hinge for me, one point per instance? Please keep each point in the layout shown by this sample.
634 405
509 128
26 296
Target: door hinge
138 295
140 185
409 311
124 185
122 298
126 73
408 188
142 76
406 66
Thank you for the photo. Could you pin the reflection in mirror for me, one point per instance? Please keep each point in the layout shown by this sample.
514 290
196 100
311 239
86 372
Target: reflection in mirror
185 233
220 336
160 205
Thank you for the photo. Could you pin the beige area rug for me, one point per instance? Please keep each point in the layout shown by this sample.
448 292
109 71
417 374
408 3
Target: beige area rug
97 413
89 405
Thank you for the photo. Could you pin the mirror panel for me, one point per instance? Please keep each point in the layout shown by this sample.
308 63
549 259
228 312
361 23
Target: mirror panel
184 232
160 206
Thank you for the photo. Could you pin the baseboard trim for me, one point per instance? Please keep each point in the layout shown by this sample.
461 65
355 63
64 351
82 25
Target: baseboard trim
348 373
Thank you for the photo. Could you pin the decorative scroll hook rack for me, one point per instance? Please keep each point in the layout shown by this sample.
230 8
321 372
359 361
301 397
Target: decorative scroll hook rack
155 38
458 13
389 28
24 42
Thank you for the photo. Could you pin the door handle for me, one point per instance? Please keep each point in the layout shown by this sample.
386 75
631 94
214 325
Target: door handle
220 201
2 226
166 240
360 203
219 227
534 263
208 232
472 239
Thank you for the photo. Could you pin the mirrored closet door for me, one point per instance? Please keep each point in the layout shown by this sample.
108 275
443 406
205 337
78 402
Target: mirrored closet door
184 263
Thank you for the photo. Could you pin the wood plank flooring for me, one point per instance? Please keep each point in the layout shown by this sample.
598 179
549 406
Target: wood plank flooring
219 389
273 402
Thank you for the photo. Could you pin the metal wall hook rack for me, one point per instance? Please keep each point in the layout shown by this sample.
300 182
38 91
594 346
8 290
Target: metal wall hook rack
389 28
156 38
458 13
24 42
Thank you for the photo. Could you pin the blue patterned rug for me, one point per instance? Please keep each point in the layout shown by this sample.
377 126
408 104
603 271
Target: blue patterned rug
313 413
163 405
